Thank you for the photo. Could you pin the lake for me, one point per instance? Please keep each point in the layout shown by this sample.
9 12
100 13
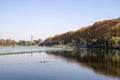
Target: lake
29 63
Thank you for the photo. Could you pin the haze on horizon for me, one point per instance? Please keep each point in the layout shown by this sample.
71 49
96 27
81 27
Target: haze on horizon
19 19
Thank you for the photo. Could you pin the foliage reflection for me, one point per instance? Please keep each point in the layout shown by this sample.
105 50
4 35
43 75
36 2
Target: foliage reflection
102 61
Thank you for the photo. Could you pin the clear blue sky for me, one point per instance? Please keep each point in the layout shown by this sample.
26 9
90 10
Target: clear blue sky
19 19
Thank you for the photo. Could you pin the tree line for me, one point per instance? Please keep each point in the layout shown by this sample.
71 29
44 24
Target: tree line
101 33
10 42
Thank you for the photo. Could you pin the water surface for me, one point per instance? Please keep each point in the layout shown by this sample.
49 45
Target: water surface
79 64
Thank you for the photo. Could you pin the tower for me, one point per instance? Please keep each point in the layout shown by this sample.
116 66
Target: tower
31 37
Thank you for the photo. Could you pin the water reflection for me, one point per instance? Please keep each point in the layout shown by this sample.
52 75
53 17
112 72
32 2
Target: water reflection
102 61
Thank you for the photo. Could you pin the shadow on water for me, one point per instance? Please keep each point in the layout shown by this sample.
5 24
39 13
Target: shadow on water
102 61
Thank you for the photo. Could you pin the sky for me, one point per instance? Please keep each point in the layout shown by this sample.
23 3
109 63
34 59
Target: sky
19 19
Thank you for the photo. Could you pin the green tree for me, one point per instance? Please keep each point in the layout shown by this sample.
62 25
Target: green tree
116 40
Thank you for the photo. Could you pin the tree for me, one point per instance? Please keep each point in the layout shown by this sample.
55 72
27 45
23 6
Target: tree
39 41
8 42
22 42
116 40
2 42
29 43
14 42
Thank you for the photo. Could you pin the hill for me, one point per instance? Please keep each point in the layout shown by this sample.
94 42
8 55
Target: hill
101 33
